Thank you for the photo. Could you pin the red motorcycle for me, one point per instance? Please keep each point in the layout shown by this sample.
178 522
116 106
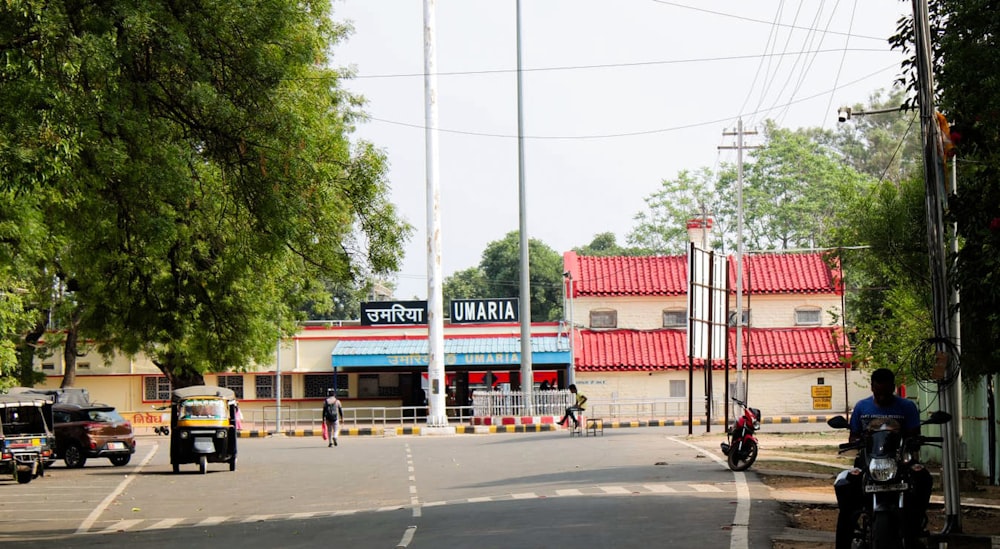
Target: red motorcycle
741 450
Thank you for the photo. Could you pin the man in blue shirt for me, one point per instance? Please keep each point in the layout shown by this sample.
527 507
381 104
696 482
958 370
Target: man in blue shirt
883 404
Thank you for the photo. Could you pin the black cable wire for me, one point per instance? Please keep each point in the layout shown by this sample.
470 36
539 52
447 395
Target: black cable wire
923 361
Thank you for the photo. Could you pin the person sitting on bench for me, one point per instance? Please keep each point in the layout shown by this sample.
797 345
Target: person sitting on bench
577 406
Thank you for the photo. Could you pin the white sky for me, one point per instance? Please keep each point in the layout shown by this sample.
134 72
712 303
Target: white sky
618 95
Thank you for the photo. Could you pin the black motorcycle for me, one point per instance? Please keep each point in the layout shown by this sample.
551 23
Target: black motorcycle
875 495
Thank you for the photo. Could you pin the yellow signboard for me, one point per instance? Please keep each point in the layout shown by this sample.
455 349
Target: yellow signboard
822 391
822 404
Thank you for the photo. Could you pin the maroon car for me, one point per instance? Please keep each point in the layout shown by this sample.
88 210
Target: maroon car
93 430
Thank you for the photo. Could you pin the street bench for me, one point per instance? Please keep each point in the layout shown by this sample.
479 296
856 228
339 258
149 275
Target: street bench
594 425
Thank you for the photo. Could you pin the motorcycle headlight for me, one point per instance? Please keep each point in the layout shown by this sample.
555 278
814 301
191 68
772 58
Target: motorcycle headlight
882 469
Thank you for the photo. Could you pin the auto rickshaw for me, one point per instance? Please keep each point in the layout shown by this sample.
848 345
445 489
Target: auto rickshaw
203 426
25 435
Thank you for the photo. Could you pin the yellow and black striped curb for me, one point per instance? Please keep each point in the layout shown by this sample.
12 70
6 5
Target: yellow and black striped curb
535 428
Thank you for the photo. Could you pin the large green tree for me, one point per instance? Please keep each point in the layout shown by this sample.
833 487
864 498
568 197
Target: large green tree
661 229
203 158
968 95
963 42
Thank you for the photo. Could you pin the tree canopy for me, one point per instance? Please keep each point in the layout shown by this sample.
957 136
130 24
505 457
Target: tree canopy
499 274
194 169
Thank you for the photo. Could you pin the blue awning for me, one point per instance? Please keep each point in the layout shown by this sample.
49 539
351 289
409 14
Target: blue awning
479 351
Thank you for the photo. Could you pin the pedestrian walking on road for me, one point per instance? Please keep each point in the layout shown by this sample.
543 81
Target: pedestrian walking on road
333 413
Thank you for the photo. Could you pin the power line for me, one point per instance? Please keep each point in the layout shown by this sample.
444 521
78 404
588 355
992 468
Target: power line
628 134
761 21
608 65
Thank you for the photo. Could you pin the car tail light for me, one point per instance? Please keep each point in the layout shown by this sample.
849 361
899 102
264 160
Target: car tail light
8 455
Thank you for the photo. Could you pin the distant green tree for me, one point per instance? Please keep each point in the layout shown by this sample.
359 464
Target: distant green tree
793 193
499 275
661 229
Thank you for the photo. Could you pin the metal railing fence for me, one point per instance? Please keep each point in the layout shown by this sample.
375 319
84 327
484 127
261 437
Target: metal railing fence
484 404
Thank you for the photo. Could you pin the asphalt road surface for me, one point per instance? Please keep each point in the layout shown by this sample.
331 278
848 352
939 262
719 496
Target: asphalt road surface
637 488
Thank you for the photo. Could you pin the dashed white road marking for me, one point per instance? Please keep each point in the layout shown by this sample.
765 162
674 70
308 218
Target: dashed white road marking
407 537
122 525
524 495
212 521
165 523
569 492
257 518
615 490
706 488
659 488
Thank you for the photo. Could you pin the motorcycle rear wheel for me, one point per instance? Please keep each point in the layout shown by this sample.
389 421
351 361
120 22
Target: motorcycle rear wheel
741 458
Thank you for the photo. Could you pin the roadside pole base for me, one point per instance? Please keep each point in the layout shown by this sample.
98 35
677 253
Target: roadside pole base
436 431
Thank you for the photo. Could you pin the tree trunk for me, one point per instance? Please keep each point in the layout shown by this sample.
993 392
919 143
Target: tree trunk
69 351
26 374
179 374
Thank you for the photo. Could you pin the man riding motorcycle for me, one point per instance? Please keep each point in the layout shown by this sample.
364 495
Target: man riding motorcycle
882 405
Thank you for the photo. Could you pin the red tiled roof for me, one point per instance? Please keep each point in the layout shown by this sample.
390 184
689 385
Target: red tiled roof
610 276
661 350
787 274
667 275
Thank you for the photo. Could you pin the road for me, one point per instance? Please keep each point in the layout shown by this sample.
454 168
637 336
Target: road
629 488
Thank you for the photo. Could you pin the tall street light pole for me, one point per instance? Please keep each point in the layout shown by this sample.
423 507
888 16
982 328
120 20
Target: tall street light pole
527 376
436 416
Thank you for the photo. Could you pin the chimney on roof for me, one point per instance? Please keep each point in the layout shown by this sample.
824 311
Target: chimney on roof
699 231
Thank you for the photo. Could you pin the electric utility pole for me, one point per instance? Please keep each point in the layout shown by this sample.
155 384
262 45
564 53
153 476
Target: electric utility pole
740 147
947 356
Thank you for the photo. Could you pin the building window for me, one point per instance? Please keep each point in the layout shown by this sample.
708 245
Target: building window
265 386
317 385
48 366
82 365
235 383
604 319
156 388
746 317
808 316
674 318
678 388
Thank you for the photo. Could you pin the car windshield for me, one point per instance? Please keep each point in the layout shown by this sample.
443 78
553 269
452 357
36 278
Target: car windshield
204 409
105 416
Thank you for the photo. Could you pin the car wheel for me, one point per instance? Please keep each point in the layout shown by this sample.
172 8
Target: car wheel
73 457
120 459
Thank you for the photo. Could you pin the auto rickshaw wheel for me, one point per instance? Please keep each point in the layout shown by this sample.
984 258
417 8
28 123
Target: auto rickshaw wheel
232 463
73 457
23 477
203 465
